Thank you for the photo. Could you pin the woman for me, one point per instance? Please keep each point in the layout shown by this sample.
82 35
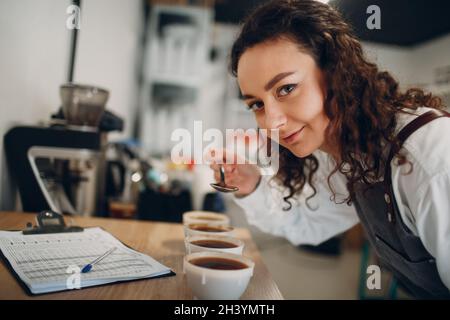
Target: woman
342 124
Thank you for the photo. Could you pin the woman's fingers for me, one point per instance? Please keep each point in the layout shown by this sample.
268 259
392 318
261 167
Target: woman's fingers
214 166
229 175
219 159
216 176
228 168
223 156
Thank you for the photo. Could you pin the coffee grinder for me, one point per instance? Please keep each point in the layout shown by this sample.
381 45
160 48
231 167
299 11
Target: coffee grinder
61 166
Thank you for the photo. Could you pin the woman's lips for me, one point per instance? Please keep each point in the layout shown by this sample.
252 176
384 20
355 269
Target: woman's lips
293 137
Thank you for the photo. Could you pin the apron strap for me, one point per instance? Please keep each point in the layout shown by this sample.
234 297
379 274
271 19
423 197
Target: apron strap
410 128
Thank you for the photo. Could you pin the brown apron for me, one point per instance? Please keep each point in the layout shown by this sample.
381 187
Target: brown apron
397 247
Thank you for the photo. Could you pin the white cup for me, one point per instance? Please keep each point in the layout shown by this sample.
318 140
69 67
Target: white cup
216 284
192 247
209 217
194 229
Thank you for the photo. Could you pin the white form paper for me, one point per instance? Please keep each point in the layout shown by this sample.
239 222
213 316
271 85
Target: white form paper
49 262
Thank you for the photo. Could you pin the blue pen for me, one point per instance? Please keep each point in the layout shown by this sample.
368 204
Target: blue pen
89 266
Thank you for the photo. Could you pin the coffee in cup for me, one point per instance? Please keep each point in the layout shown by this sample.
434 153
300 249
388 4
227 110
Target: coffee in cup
217 275
219 263
206 229
214 243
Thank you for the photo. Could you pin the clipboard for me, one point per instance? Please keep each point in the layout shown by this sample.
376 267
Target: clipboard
49 222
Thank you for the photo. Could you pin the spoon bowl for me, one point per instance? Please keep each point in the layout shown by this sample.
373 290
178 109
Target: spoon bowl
222 186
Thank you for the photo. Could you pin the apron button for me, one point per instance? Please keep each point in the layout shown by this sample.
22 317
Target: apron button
389 215
387 198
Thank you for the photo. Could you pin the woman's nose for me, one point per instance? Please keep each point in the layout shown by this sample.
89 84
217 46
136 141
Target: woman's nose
274 116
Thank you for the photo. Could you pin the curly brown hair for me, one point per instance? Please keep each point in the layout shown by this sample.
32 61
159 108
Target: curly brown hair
361 100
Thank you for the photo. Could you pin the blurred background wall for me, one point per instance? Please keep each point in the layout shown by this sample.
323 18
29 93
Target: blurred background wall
115 50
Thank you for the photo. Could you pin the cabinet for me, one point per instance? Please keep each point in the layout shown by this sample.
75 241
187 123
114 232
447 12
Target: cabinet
175 65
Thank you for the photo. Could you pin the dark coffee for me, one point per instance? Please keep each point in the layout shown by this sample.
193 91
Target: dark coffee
218 244
208 228
218 263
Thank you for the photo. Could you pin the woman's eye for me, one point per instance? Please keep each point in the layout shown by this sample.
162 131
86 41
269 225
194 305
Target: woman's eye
255 106
285 90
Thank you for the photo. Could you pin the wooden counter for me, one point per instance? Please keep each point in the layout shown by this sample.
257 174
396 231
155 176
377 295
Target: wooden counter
162 241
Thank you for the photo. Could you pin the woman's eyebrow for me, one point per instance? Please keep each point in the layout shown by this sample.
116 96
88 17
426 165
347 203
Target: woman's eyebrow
277 78
270 84
247 96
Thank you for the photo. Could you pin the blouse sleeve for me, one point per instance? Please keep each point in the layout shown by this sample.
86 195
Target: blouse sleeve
423 195
432 215
302 224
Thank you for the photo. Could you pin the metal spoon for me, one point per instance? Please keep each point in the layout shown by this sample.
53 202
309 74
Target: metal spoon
222 186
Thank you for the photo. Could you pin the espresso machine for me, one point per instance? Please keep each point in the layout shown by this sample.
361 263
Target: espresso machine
61 166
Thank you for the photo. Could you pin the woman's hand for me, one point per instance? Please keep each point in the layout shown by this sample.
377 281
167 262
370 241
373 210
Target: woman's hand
243 176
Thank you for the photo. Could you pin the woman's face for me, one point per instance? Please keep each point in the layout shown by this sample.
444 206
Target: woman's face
285 89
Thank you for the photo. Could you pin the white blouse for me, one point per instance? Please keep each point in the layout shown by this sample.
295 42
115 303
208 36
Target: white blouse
423 197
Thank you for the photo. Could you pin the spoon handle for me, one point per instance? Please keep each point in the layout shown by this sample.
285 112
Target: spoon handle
222 175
